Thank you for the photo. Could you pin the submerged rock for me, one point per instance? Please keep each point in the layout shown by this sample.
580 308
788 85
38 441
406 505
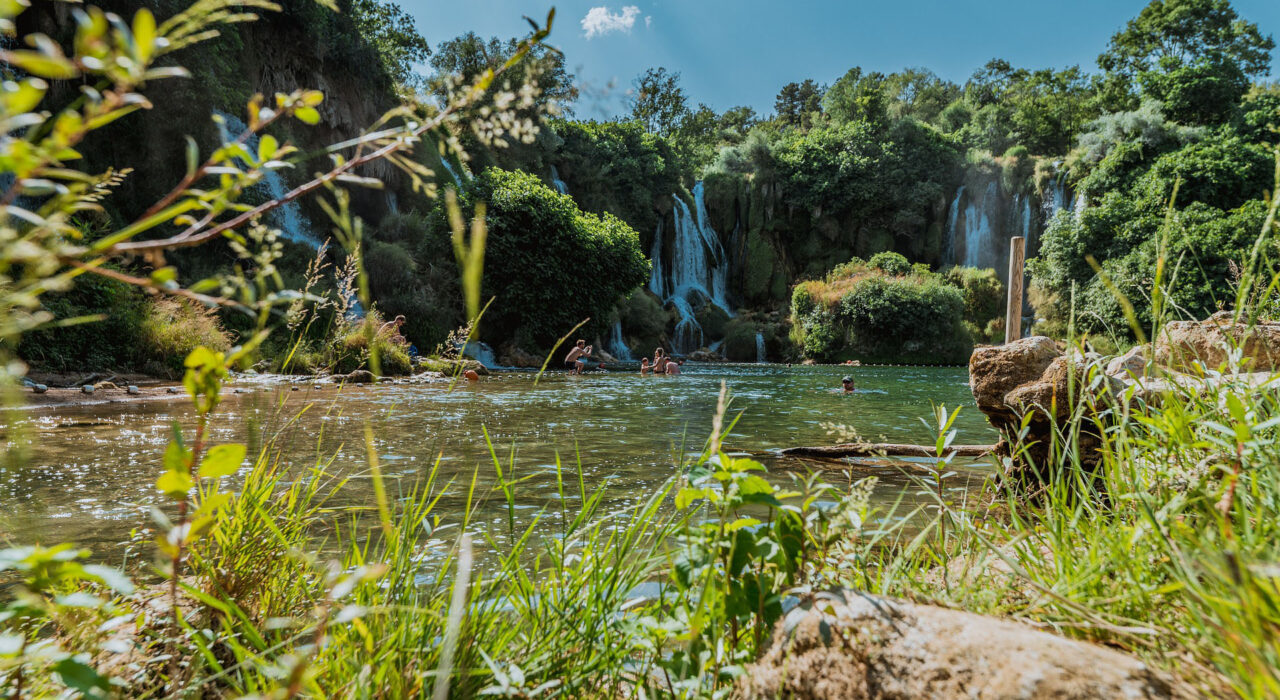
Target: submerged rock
360 376
849 644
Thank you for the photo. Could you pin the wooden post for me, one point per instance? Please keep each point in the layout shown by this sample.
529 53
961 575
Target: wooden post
1013 314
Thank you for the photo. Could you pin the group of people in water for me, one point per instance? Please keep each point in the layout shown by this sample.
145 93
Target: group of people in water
576 361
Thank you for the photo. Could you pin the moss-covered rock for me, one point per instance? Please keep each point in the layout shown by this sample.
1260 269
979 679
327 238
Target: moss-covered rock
644 322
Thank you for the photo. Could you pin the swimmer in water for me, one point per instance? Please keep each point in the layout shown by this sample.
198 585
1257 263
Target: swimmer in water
847 384
644 367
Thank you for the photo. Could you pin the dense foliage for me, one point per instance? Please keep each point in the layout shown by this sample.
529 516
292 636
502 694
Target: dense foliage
548 265
883 311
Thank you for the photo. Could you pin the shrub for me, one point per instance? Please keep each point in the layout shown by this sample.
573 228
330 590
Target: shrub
868 314
740 340
351 350
171 328
548 266
890 262
108 343
984 296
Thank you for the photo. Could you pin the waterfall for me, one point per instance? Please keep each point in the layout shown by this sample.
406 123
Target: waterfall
656 282
393 203
557 182
617 346
980 245
482 353
288 217
951 226
1081 204
760 353
699 269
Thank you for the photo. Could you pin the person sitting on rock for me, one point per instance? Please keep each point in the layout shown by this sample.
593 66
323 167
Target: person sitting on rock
576 360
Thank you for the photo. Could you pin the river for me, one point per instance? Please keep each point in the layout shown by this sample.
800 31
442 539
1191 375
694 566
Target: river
89 472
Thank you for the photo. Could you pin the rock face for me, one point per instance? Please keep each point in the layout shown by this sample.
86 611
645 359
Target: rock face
1130 364
1181 343
513 356
853 645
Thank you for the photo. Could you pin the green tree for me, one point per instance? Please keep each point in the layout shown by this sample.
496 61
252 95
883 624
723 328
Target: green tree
857 97
548 265
658 102
1195 54
798 102
392 32
468 56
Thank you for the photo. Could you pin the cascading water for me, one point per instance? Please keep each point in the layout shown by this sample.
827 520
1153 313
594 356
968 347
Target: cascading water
482 353
760 352
980 246
292 224
699 269
617 346
556 182
657 284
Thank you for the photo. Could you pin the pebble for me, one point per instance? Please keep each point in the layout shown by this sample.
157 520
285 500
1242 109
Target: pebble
133 390
173 390
315 386
88 388
39 388
293 389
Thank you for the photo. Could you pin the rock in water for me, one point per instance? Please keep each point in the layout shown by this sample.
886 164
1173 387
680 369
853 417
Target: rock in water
854 645
133 390
995 371
360 376
39 388
88 388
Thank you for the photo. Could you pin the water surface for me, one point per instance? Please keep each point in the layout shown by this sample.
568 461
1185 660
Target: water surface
89 477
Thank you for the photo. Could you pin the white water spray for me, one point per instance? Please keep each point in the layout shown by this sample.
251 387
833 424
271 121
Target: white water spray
556 182
288 217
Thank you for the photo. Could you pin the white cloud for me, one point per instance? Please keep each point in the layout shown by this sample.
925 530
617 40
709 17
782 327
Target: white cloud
648 21
600 21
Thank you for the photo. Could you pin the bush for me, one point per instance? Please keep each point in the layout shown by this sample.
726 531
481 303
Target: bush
171 328
548 266
868 314
644 320
740 340
352 349
109 343
984 296
890 262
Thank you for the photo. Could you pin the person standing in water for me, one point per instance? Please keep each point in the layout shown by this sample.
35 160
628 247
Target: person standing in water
644 367
575 361
847 384
673 368
659 361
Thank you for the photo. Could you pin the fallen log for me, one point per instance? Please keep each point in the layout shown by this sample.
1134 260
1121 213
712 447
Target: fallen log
884 449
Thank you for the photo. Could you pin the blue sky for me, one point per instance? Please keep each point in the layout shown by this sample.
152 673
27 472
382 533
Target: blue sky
741 52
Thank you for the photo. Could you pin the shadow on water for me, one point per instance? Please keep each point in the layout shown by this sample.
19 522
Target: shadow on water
91 472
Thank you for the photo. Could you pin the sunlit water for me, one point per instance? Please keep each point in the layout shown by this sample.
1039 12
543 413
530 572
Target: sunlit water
90 472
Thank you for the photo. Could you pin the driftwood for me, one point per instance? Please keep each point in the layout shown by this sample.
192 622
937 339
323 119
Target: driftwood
882 449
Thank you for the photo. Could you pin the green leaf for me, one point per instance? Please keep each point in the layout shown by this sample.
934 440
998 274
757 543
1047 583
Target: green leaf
144 33
114 579
174 484
82 677
307 115
687 496
176 457
267 147
164 275
221 461
54 68
18 98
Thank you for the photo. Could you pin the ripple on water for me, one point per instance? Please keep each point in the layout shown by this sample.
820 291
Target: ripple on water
92 484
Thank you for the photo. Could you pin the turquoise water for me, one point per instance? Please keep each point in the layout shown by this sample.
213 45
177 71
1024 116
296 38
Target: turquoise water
89 474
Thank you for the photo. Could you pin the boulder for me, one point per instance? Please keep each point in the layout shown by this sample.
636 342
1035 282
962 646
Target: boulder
1182 343
513 356
1132 363
995 371
705 356
849 644
1053 394
39 388
360 376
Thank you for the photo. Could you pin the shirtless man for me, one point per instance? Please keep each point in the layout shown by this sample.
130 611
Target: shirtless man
575 361
672 367
847 385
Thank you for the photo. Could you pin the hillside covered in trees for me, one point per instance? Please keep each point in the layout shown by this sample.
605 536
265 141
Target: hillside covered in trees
694 227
